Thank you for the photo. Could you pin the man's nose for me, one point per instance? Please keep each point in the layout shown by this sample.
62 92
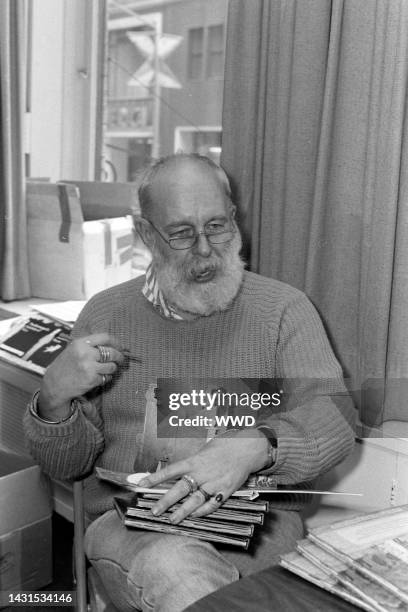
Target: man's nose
203 247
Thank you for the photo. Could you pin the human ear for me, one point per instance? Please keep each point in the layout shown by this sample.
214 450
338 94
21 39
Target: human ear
144 230
232 210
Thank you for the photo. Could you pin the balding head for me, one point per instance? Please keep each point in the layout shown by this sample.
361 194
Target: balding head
179 170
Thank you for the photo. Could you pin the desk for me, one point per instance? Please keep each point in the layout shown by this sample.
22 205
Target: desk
272 590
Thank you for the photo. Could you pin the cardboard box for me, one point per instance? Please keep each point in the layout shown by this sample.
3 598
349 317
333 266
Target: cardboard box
70 256
107 200
25 524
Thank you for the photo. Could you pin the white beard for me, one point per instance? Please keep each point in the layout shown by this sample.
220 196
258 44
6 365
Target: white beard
177 283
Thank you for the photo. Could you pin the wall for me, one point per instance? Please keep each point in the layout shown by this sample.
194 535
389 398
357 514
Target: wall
377 470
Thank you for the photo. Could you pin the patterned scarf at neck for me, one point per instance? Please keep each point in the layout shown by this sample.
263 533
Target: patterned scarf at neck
154 295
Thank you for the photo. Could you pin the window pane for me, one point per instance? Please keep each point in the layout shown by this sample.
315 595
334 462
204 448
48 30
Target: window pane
215 51
195 53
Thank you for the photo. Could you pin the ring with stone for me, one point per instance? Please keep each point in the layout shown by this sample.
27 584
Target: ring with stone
204 493
104 353
190 482
219 498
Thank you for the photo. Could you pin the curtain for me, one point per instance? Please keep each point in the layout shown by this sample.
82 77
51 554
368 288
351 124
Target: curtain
315 141
13 238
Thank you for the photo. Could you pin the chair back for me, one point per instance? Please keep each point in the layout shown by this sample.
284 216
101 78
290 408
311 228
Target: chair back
79 549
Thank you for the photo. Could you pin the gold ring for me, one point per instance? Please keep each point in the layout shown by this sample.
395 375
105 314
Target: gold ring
104 353
190 482
219 498
106 378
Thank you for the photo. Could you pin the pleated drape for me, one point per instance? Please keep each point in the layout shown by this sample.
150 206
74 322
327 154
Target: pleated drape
315 141
14 282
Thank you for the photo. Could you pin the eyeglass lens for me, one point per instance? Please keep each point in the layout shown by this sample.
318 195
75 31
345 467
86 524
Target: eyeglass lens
187 243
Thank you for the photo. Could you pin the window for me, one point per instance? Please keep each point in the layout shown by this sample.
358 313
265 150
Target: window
206 52
205 140
215 51
195 53
175 104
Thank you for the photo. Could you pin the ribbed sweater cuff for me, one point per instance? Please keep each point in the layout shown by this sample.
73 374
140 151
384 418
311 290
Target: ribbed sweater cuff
291 451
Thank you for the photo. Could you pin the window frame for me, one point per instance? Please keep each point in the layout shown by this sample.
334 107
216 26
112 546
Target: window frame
191 56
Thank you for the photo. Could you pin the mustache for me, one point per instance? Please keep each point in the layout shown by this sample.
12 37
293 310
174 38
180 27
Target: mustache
200 267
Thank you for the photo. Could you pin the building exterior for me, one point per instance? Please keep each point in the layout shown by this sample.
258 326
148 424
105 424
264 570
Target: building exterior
165 68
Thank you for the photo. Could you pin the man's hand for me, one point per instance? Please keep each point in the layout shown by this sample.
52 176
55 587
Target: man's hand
221 466
76 371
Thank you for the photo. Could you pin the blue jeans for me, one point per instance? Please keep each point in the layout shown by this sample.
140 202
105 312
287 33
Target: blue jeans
151 571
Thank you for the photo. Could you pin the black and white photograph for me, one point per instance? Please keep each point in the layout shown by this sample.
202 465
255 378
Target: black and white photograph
203 305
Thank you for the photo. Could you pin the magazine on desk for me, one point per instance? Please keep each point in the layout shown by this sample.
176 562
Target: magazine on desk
34 341
366 555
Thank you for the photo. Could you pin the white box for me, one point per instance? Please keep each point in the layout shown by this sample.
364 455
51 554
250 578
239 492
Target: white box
107 259
69 256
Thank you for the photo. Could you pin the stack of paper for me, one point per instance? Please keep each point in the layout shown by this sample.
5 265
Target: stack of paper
363 559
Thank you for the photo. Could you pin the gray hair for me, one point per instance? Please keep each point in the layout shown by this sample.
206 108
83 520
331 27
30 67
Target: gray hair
156 166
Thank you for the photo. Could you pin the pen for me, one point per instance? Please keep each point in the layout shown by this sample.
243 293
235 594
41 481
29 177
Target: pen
131 357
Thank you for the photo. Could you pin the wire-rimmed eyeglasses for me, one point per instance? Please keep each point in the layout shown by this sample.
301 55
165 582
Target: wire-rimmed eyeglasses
215 233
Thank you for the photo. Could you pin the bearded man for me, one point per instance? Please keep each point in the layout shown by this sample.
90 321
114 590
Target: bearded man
195 315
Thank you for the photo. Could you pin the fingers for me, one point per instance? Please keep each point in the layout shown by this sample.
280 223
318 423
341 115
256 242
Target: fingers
79 368
102 353
207 508
105 379
106 368
172 471
104 339
110 354
193 503
92 364
177 492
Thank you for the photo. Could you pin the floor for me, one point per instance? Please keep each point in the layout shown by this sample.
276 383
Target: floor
62 531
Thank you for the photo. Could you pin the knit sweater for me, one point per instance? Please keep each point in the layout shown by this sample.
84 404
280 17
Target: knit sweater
270 331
